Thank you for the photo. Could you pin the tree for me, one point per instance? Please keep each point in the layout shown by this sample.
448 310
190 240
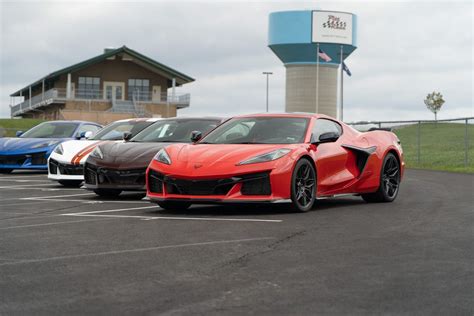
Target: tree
434 101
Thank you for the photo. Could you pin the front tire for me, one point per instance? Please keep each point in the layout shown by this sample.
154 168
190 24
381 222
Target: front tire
389 182
107 192
303 186
70 183
174 205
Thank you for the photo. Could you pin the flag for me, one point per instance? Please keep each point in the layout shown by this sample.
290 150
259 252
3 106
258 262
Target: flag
346 69
324 56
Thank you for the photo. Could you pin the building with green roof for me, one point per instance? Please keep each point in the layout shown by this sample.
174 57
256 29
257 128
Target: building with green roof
120 83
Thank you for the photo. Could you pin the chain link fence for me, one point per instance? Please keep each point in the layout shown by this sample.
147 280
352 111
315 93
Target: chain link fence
442 144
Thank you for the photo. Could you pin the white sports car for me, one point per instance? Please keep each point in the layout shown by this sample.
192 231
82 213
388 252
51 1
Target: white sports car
66 163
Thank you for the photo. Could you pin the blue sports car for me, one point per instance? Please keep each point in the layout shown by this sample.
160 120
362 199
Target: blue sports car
30 150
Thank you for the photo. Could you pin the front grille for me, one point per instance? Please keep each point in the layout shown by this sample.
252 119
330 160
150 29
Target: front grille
39 159
66 169
90 176
258 184
53 166
199 187
94 175
252 184
155 182
12 159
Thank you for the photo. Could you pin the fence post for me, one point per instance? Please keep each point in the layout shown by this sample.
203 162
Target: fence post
380 125
418 142
466 145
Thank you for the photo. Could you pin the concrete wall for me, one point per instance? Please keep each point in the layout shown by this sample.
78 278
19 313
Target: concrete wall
301 89
95 111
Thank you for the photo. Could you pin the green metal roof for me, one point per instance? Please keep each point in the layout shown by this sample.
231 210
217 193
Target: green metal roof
107 54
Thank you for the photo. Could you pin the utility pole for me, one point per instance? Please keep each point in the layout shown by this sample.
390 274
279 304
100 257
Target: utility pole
267 74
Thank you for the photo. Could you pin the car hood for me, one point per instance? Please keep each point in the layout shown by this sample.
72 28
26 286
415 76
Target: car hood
128 155
17 144
223 153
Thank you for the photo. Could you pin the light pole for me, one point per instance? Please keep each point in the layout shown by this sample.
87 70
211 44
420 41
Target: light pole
267 74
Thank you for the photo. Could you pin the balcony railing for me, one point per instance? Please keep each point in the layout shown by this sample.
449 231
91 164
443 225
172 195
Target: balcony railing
60 95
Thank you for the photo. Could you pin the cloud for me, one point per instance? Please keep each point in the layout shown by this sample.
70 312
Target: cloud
405 50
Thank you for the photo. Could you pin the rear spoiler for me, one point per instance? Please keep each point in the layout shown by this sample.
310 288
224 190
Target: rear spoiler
387 129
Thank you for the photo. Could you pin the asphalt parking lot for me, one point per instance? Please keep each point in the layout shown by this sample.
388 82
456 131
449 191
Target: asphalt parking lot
66 251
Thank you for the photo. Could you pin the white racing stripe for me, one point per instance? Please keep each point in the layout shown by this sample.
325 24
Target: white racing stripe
117 252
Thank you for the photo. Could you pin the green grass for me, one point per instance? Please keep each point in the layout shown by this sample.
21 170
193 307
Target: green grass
9 127
442 146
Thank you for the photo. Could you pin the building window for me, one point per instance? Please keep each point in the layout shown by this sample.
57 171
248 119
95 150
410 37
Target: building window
89 88
139 89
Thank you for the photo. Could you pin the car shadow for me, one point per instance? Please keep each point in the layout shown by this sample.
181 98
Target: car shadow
243 209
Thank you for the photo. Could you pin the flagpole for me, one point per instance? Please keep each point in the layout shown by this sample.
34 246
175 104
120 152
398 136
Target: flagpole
317 78
341 115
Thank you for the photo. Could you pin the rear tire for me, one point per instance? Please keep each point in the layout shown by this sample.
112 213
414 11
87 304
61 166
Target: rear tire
108 192
389 182
71 183
6 171
303 186
174 205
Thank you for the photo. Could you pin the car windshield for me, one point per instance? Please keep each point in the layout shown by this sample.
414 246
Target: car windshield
259 130
115 130
52 130
177 131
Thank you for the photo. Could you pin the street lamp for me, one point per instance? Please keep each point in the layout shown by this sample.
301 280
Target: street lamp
267 74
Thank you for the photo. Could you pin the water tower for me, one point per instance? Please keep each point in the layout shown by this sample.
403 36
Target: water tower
296 37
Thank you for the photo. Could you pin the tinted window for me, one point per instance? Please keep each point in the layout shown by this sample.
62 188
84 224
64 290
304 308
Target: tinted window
178 131
325 126
51 130
115 130
259 130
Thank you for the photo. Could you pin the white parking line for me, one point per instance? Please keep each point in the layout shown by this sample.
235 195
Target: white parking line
100 214
56 196
26 176
48 224
22 181
117 252
26 185
109 211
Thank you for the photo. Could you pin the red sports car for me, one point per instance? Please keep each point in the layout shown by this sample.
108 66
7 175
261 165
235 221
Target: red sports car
295 158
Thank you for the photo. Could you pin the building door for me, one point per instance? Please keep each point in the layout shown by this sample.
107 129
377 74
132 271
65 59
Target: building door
156 94
114 90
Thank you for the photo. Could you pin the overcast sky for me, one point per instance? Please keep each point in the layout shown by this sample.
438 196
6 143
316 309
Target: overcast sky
405 50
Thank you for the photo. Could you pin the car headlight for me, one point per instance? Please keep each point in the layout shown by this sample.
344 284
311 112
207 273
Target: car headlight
59 149
273 155
163 157
97 153
46 144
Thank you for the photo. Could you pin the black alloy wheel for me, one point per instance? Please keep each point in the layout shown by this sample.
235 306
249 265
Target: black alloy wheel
303 186
389 181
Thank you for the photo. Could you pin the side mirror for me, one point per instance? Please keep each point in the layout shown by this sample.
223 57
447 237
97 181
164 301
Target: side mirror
196 136
328 137
19 133
127 136
88 134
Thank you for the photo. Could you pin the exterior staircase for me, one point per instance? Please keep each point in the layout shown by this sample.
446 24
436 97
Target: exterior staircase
129 107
